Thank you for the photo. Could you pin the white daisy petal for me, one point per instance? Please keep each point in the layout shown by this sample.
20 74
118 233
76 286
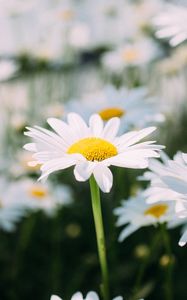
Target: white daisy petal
183 239
46 137
184 155
127 162
92 296
30 147
176 184
57 164
96 125
62 129
77 296
103 177
54 297
130 139
126 232
83 171
78 125
111 129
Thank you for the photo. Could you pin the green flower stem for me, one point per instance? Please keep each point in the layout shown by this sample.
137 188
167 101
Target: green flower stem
96 207
145 264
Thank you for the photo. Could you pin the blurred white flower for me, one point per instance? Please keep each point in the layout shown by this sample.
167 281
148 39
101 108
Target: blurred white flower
54 109
16 7
144 11
171 24
136 53
19 165
14 97
10 213
63 14
169 82
106 19
136 213
91 149
78 296
8 69
167 178
32 196
80 36
126 104
169 182
176 179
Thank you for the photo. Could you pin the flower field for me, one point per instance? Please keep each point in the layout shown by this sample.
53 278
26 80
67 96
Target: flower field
93 156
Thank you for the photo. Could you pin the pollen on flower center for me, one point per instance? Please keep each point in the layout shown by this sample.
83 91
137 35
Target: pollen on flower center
157 210
93 149
111 112
38 192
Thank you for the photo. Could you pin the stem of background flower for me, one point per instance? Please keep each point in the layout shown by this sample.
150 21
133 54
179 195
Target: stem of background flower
169 271
146 262
97 213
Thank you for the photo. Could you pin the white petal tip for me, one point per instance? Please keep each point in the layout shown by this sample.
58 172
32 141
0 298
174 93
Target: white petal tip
54 297
182 244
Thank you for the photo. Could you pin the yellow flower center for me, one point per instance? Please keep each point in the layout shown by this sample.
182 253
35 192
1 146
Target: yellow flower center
66 15
111 112
157 210
37 191
130 55
93 149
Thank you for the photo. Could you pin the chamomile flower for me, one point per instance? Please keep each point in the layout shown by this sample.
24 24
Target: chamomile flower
171 24
136 213
32 196
90 148
126 104
78 296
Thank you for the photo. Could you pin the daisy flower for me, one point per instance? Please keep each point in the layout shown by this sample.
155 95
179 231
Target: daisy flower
169 182
19 166
126 104
90 148
136 212
171 24
132 54
80 36
32 196
177 178
64 14
90 296
167 178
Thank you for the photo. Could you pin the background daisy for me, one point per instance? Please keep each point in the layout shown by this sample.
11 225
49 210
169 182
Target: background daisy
136 213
